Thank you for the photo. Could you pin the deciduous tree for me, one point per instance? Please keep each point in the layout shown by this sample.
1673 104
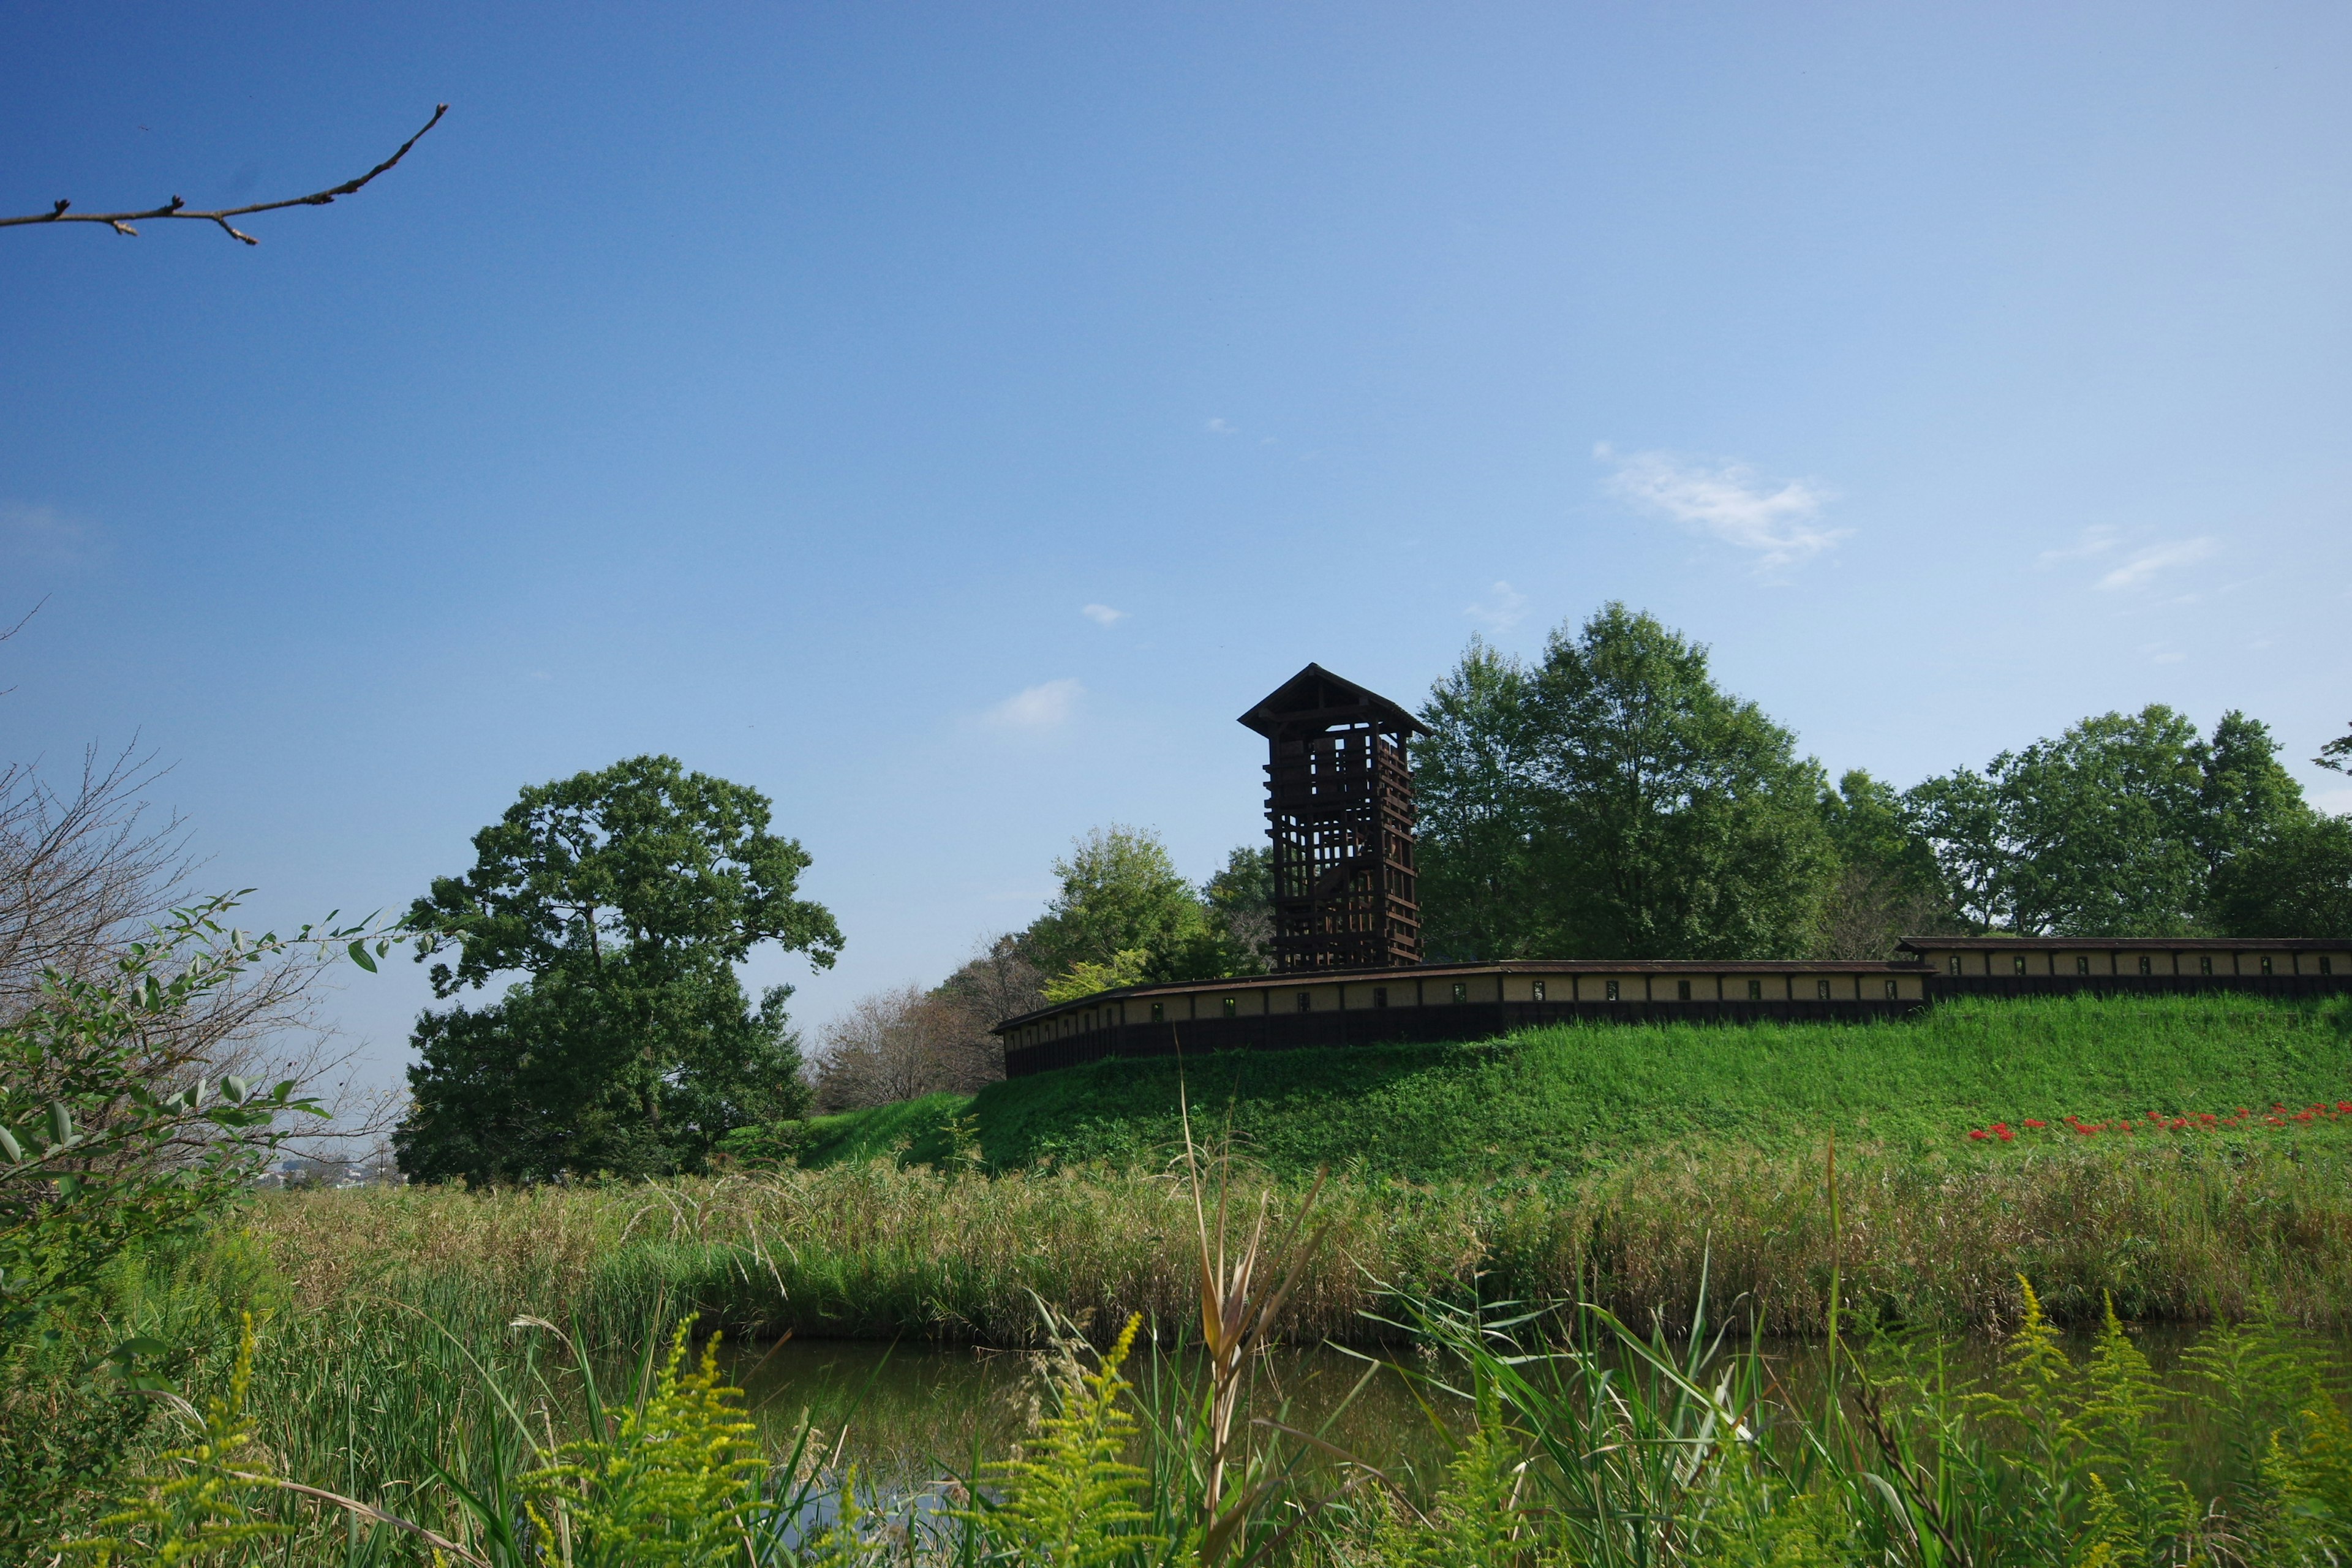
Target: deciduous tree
625 896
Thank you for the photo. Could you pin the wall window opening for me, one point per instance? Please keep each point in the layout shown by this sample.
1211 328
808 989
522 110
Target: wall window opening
2020 962
1462 991
1306 1001
2146 965
1821 989
1610 989
2082 964
2266 963
1160 1012
1539 990
1893 992
2326 964
2205 964
1682 990
1379 996
1233 1007
1956 963
1756 991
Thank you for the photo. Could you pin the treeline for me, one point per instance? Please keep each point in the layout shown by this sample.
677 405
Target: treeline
1610 799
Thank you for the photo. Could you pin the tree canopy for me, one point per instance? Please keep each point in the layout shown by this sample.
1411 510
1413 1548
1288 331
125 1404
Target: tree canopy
1613 802
2117 827
623 898
1123 910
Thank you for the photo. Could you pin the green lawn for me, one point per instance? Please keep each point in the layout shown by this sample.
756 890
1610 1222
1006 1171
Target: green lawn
1582 1097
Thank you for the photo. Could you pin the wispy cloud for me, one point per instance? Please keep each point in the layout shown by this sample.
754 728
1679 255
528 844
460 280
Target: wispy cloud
2144 564
45 535
1503 608
1221 427
2096 541
1778 521
1103 615
1044 707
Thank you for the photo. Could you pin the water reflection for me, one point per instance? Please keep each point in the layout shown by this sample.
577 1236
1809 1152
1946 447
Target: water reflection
914 1414
909 1413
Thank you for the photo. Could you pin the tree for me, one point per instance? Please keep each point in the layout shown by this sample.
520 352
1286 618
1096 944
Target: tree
2117 827
1240 898
1680 822
899 1044
1120 893
2244 798
1476 783
1887 885
1613 802
625 898
2336 754
2298 882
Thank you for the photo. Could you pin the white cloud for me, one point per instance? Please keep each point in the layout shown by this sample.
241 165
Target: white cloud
2096 540
1504 608
1221 427
1727 501
44 534
1043 706
2145 564
1103 615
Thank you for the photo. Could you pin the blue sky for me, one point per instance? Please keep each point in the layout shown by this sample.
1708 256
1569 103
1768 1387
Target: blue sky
947 419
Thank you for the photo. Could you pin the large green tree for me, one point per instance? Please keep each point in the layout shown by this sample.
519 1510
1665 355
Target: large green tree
623 899
1121 895
1887 885
1614 802
2120 827
1481 801
2298 882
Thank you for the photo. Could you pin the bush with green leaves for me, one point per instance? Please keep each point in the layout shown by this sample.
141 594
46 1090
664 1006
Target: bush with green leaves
107 1144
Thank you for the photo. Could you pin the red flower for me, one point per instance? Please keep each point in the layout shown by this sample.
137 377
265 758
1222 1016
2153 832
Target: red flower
1978 1133
2345 1106
2031 1122
2178 1122
2208 1117
2303 1116
2006 1135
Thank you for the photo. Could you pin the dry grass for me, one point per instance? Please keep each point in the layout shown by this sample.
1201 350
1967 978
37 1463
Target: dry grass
2178 1233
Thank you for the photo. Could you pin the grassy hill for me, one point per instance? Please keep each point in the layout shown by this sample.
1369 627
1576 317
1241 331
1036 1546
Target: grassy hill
1578 1098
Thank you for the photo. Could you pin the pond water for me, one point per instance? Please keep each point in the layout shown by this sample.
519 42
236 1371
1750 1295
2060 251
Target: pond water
912 1414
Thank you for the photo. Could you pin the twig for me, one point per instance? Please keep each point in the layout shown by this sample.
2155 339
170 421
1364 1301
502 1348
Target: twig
121 222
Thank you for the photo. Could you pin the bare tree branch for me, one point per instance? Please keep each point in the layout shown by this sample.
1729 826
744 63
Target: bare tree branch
121 222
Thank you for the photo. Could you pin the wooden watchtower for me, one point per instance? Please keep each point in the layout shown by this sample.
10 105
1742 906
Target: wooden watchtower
1340 810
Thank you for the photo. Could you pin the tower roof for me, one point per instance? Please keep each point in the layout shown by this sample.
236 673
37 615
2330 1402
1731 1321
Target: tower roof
1317 698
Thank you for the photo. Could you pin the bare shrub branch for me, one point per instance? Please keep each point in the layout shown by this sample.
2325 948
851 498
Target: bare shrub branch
85 871
177 208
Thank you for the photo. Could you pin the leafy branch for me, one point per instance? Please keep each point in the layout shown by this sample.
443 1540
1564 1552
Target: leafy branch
105 1143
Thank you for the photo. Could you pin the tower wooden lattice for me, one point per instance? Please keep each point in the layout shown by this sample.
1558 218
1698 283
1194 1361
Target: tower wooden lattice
1340 810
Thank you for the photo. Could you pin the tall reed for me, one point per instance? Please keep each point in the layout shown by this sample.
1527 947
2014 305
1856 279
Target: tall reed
2178 1232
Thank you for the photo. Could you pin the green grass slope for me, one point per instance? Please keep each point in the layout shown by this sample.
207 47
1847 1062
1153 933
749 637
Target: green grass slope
1578 1098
